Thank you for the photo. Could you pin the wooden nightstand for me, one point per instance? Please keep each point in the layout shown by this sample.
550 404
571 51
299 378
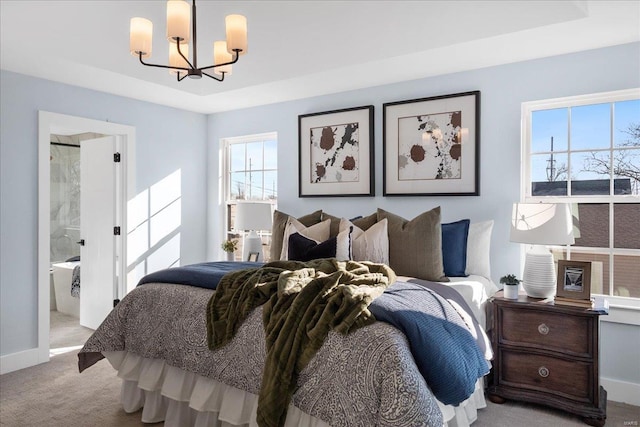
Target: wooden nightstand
546 354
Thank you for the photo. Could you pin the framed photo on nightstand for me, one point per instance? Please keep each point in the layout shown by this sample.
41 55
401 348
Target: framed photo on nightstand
574 280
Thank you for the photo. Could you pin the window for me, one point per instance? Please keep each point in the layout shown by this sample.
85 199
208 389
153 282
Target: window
251 173
585 151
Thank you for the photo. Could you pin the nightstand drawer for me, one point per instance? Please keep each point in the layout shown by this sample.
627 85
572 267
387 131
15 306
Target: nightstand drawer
545 330
564 378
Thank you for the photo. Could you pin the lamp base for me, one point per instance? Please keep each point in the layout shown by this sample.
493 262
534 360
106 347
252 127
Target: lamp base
252 244
539 278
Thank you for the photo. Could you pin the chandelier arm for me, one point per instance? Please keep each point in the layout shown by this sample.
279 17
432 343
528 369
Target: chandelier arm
237 56
213 77
183 77
185 58
160 66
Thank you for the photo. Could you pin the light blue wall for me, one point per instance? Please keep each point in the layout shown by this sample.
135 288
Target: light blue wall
167 139
503 89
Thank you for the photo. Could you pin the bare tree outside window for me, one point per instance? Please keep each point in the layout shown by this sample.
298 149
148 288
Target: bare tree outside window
626 162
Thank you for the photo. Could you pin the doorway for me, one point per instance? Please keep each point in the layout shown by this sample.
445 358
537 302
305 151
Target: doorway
124 137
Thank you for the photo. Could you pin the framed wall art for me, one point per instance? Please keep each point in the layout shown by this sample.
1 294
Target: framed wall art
432 146
574 280
336 153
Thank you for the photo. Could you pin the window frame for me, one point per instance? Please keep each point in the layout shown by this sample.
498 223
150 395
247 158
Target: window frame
527 110
226 144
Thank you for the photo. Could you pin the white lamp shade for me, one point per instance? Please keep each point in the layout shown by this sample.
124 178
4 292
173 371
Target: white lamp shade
542 224
253 216
178 16
236 26
140 36
220 56
175 60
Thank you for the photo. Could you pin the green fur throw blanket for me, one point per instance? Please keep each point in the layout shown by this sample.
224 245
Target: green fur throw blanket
303 301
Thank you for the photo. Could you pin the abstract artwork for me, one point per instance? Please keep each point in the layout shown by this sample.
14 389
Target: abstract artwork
431 146
336 153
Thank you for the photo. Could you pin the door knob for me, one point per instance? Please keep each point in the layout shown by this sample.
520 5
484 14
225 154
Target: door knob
81 242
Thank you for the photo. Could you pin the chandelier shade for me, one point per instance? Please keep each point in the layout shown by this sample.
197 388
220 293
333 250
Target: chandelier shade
181 32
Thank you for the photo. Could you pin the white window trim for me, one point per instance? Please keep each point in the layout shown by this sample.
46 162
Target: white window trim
226 142
622 309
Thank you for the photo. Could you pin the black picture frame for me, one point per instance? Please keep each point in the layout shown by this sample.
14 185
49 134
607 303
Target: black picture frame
431 146
253 256
336 153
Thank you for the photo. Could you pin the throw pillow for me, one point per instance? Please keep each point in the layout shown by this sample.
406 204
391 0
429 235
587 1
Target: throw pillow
302 248
318 232
454 248
479 249
415 247
280 223
371 244
362 222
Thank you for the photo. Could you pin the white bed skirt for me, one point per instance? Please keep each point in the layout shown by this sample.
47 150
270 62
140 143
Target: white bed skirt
180 398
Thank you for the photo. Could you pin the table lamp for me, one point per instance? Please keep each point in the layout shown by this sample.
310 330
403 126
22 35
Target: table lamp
541 224
253 217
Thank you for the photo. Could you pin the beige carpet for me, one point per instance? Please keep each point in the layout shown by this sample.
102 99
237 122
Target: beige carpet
55 394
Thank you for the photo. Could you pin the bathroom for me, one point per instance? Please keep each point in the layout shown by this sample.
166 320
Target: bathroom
65 237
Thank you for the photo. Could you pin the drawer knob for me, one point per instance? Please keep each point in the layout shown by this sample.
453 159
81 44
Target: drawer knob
543 372
543 329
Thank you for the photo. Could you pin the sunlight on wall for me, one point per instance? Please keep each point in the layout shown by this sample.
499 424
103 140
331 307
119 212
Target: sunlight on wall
154 218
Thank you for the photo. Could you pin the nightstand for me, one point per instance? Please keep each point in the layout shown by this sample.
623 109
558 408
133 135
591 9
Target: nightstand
546 353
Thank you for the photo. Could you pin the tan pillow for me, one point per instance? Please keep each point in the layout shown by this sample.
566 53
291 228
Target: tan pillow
279 224
318 232
415 247
371 244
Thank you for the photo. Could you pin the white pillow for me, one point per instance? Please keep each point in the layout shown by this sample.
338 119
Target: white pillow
369 245
479 249
318 232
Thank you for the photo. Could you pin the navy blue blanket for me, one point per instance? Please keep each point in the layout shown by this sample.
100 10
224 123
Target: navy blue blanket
447 355
203 275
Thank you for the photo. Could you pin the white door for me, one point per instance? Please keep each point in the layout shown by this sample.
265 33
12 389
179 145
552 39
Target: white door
97 221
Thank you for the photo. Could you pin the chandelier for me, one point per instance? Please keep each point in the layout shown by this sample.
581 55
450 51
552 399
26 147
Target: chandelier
225 53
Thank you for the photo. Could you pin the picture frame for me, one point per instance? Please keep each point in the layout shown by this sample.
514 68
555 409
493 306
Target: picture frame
431 146
335 154
574 280
253 256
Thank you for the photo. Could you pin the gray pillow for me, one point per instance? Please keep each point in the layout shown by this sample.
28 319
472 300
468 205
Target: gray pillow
279 224
415 247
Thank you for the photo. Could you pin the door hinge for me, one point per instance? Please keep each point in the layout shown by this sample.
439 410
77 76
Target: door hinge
116 231
116 157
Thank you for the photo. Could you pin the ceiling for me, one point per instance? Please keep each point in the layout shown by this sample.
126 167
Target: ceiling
299 49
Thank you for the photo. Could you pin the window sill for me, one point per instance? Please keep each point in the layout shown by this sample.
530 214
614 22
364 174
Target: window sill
622 310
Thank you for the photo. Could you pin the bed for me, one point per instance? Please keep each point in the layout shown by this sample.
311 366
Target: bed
157 340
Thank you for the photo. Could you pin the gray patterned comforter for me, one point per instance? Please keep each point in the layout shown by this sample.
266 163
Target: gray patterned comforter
366 378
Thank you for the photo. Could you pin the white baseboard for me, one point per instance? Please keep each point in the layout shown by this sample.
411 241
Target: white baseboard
20 360
621 391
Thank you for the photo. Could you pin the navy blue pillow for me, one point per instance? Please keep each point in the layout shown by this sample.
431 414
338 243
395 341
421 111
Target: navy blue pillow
454 248
303 249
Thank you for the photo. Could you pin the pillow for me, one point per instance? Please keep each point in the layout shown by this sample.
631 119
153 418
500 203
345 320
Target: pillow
362 222
371 244
280 223
318 232
301 248
479 248
454 248
415 247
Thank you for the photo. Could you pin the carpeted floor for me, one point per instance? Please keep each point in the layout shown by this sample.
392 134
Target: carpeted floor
54 394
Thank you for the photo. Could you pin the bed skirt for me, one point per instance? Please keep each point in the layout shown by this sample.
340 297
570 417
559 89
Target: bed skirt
181 398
